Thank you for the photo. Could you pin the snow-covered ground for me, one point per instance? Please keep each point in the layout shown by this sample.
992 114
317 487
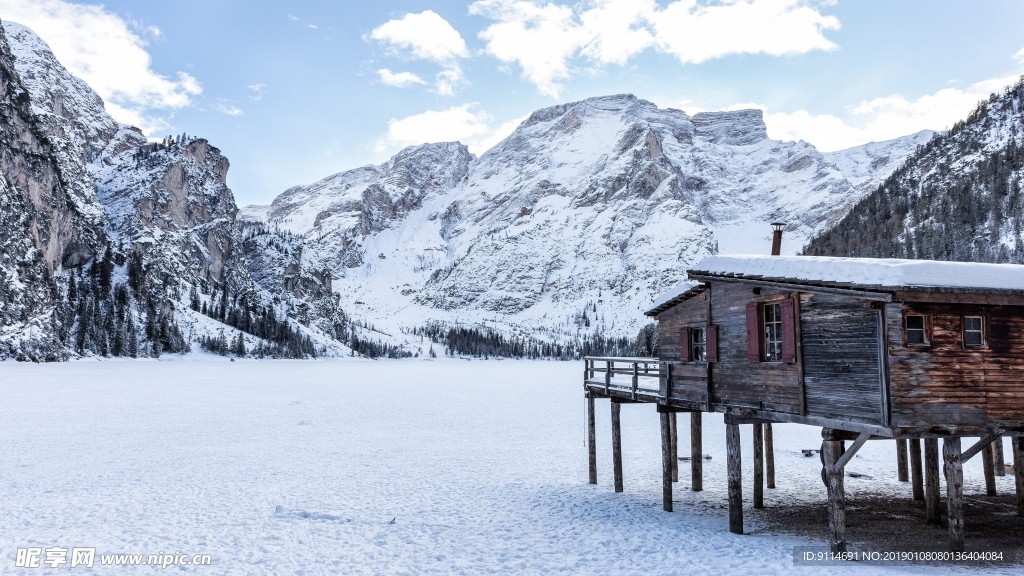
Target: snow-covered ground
389 467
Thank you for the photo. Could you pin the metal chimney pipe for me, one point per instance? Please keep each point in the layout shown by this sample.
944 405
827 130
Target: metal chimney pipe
777 238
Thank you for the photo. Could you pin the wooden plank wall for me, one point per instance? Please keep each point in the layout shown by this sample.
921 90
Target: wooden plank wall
948 384
689 380
842 377
735 380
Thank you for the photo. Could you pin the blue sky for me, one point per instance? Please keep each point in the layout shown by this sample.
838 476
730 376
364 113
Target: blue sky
292 92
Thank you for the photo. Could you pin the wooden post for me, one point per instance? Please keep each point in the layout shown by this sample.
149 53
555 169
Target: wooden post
832 451
988 458
1000 459
758 466
735 475
674 431
591 438
769 455
1017 443
901 461
616 446
666 462
954 492
915 469
931 480
696 453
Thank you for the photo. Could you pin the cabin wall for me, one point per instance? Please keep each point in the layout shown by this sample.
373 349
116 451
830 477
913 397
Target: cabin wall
947 384
735 380
689 379
841 355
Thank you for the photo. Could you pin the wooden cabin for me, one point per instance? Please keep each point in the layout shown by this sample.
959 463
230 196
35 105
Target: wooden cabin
907 350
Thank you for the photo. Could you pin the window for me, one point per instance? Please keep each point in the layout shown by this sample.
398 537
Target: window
974 331
772 333
698 345
916 330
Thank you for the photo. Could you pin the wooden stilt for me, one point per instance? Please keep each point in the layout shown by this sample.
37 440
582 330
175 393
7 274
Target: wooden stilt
666 463
1000 459
769 456
758 466
1017 443
901 461
616 446
591 438
954 492
674 430
915 469
931 480
696 453
734 464
833 450
988 458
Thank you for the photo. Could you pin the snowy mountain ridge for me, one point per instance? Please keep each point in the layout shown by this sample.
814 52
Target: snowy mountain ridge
572 223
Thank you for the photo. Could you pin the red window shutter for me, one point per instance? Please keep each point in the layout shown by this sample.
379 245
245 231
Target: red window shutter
753 334
788 331
684 345
711 336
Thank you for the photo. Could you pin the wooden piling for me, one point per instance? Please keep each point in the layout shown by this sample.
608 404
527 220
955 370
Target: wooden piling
758 465
931 480
696 453
901 461
1000 459
675 446
954 492
917 484
1017 443
735 476
988 458
832 451
769 455
591 438
616 445
666 462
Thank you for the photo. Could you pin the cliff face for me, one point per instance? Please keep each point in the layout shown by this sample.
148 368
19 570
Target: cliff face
171 203
42 226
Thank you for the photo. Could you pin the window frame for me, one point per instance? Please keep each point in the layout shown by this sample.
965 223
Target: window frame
925 329
776 343
963 331
692 343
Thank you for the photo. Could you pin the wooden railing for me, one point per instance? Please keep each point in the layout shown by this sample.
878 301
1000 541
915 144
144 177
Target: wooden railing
642 375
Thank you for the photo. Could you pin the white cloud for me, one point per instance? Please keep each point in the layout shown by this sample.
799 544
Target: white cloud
696 33
399 79
543 37
1020 55
449 81
228 109
881 118
427 36
99 47
464 123
258 89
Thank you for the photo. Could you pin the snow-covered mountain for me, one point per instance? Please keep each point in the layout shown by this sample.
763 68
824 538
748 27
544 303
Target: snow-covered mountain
572 223
561 233
958 197
116 246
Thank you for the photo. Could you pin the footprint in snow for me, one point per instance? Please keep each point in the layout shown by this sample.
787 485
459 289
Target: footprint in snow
305 423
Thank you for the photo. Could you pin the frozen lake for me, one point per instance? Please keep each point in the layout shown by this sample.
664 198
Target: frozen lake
390 467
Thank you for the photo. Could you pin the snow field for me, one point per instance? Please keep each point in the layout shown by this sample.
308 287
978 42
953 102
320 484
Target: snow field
388 467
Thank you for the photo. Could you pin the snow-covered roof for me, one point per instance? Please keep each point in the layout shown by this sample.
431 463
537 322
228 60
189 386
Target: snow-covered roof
876 274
